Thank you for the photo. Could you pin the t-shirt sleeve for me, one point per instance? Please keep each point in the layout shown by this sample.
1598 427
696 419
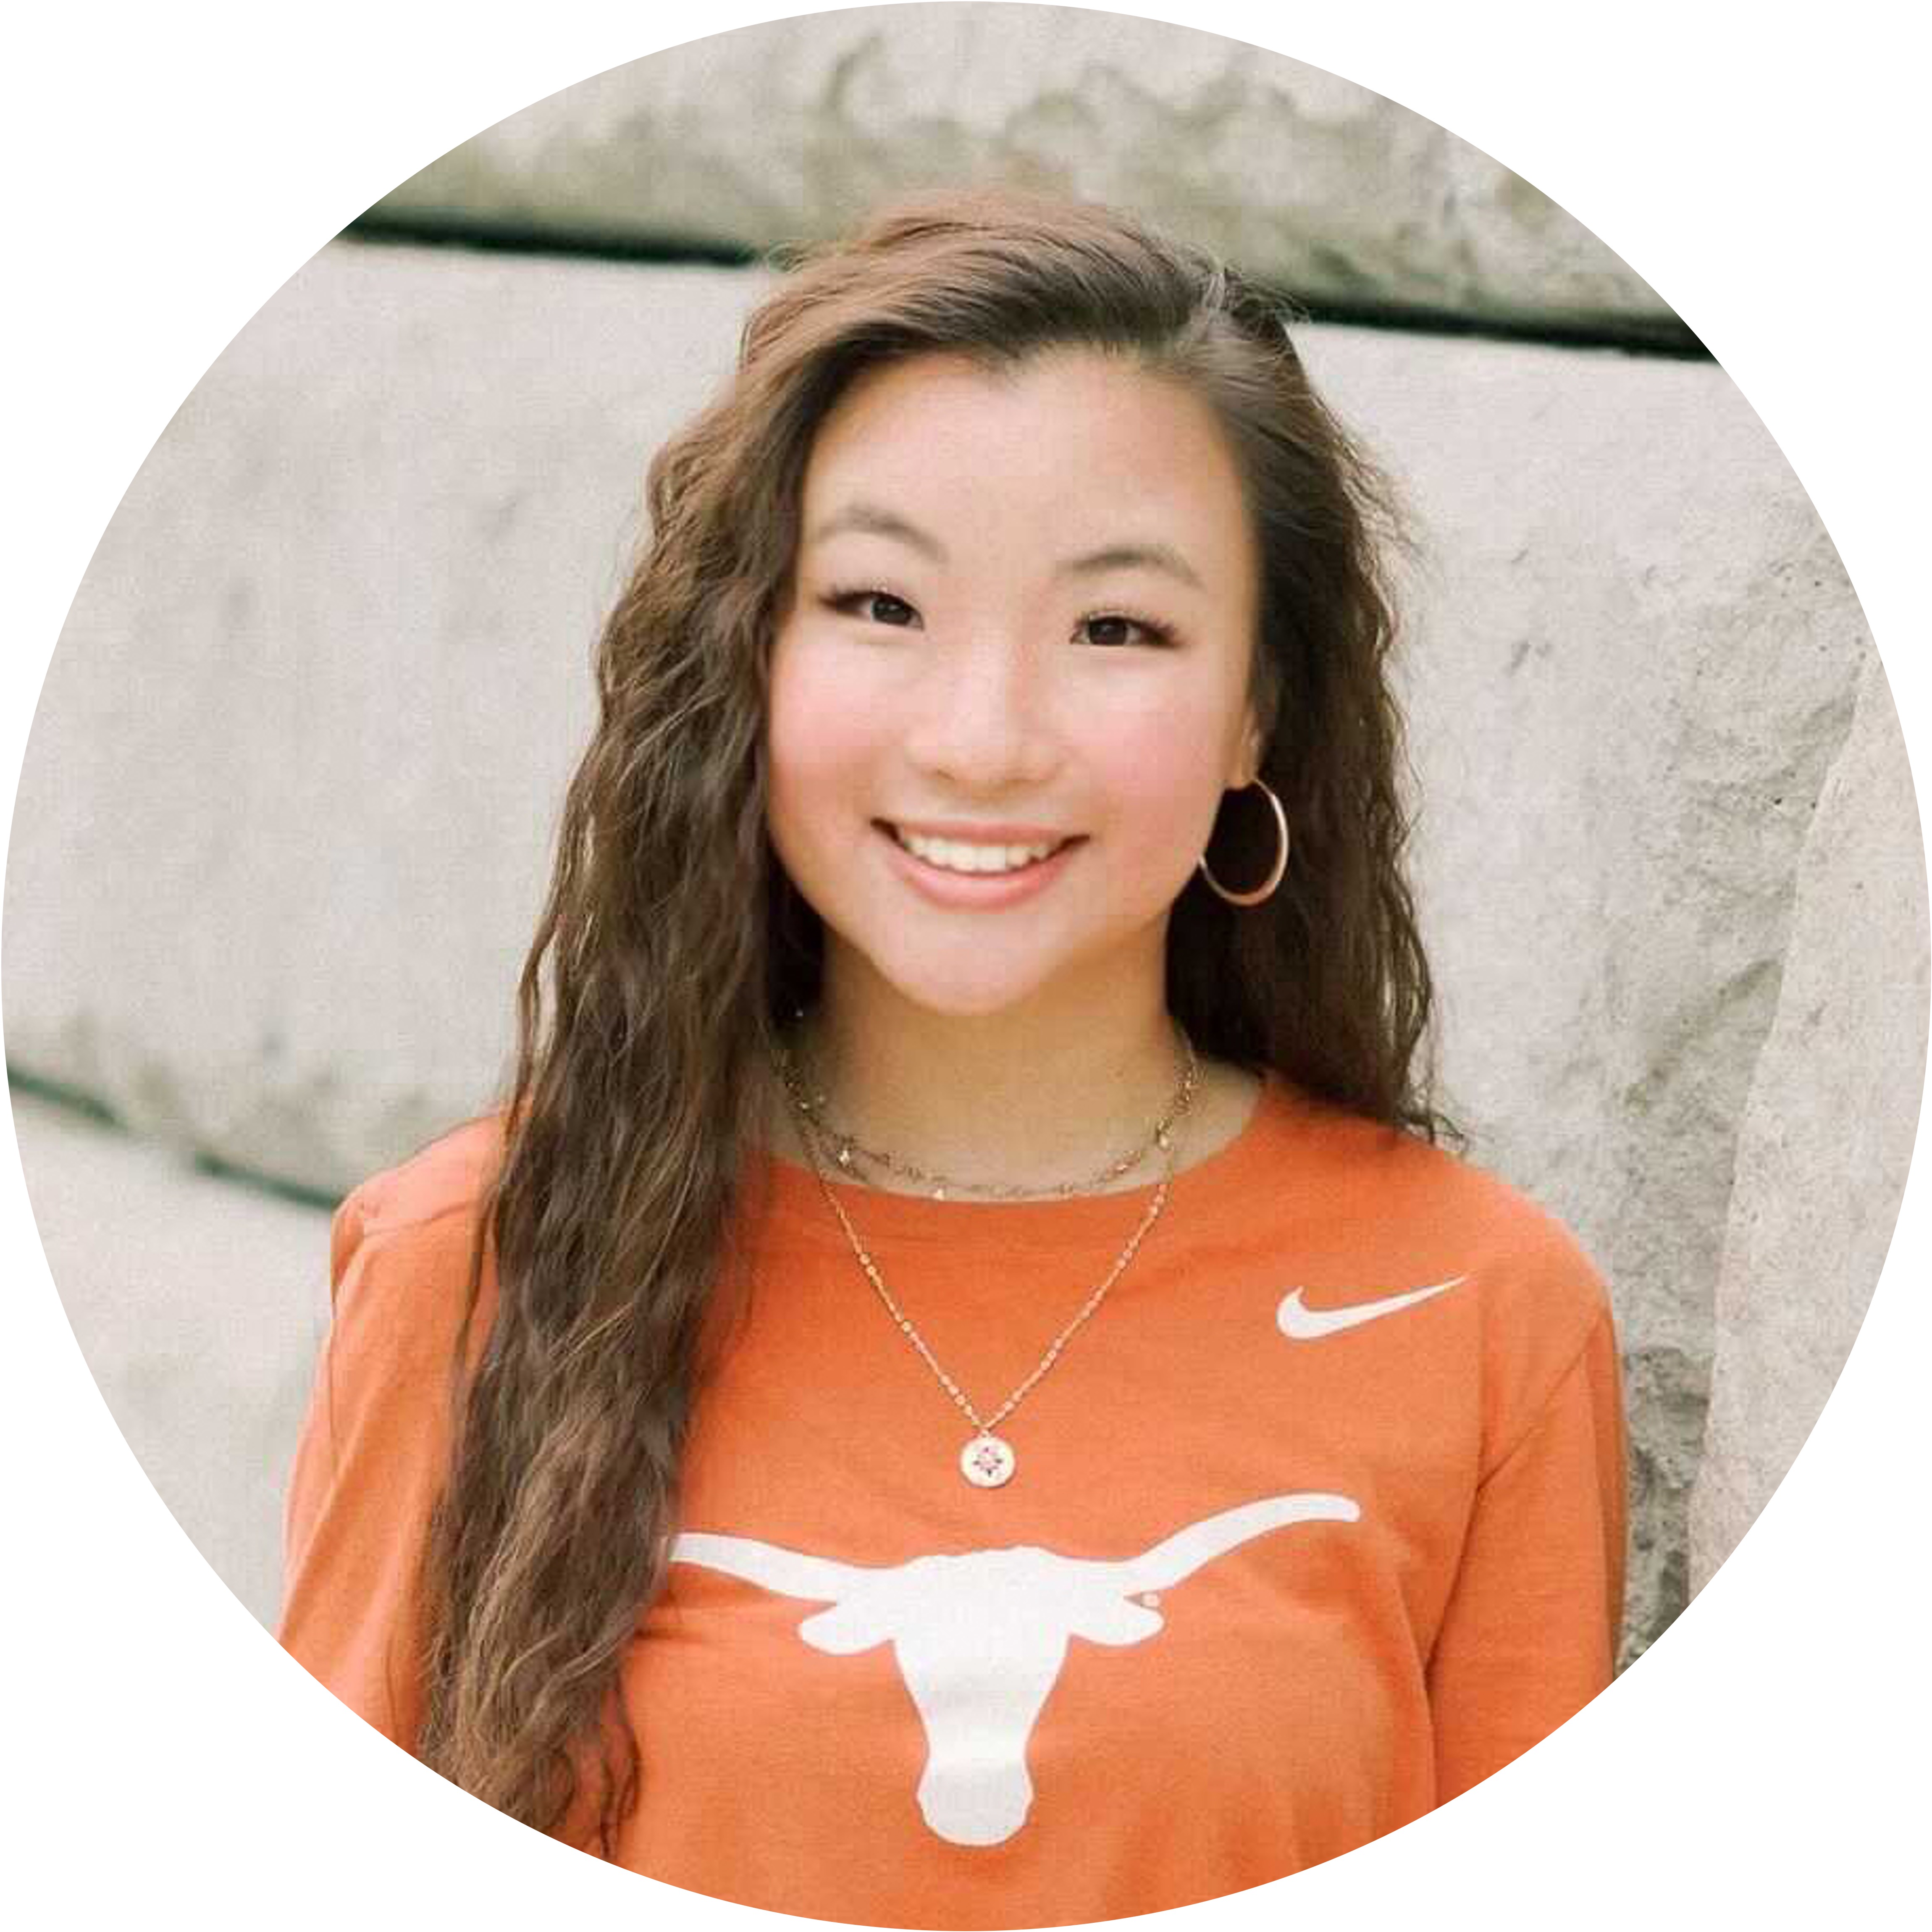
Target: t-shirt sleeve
1530 1633
369 1461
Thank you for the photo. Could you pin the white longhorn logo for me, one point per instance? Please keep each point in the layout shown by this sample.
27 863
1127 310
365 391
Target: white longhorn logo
979 1638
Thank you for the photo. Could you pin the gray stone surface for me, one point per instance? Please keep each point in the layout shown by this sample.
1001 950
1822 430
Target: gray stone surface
284 817
199 1305
1634 658
1827 1135
283 824
790 129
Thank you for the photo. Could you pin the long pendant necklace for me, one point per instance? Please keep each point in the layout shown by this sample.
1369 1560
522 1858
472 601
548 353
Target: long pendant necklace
987 1461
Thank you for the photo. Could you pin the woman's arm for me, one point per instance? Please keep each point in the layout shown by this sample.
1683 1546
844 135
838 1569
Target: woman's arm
371 1459
1530 1634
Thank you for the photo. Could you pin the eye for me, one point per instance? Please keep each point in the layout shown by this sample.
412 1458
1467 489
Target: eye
1113 628
880 607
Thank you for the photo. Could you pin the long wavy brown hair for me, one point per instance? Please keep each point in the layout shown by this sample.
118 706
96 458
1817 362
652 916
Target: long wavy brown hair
675 946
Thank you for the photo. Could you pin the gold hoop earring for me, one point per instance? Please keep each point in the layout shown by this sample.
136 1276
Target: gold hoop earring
1267 890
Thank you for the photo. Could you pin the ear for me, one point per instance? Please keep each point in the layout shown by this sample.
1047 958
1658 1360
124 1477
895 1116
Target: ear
1260 713
1248 760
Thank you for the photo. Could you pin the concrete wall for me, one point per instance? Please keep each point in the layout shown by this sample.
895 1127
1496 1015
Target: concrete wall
284 818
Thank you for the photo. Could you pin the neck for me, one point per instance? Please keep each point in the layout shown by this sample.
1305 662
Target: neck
1049 1091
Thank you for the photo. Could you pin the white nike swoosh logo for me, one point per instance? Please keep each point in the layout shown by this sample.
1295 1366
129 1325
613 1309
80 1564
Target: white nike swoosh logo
1300 1323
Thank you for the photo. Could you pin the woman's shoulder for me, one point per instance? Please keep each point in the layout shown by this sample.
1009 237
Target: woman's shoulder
1531 1270
402 1240
447 1175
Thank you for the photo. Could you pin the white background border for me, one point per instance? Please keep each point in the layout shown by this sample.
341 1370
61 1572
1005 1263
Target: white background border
171 165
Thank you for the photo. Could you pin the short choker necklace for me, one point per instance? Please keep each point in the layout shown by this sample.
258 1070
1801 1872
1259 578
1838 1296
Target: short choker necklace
848 1154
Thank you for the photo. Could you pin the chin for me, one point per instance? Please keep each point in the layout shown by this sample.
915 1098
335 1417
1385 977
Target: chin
961 988
969 1000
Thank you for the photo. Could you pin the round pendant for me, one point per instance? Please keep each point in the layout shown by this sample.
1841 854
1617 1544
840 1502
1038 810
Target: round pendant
986 1463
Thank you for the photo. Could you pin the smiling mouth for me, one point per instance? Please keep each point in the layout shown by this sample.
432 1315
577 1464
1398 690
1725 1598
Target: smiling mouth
970 860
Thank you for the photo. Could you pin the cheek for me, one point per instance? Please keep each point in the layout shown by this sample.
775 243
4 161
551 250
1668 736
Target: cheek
819 750
1166 788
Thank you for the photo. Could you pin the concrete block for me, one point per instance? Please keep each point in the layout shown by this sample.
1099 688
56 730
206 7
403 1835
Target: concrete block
790 129
200 1306
1827 1132
283 824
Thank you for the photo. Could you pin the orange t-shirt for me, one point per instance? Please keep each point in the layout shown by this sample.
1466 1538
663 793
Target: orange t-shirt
1317 1521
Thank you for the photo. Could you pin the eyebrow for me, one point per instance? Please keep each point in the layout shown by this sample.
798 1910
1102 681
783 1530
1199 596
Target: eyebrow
874 521
1159 556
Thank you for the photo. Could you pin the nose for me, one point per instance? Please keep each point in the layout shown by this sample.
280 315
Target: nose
984 720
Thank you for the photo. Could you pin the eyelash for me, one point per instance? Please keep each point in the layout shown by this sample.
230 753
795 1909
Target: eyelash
1161 636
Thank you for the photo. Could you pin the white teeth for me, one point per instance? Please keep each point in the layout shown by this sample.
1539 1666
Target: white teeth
955 856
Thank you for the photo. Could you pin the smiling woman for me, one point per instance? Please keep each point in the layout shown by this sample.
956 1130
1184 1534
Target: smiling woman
963 1386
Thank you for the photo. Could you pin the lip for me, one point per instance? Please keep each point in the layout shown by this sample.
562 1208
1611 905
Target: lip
976 892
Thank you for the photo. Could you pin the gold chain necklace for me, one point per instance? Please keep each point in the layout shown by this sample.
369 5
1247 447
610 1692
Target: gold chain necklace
848 1152
987 1461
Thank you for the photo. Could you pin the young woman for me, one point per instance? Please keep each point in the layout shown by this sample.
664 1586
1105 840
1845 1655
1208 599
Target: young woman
962 1387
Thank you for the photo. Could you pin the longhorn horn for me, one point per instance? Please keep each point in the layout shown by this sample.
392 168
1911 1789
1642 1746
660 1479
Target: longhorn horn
787 1571
1178 1556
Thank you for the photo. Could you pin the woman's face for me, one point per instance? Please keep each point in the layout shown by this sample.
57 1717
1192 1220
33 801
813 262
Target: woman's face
1021 615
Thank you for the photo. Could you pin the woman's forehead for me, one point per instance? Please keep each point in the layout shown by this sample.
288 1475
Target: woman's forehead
1112 455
